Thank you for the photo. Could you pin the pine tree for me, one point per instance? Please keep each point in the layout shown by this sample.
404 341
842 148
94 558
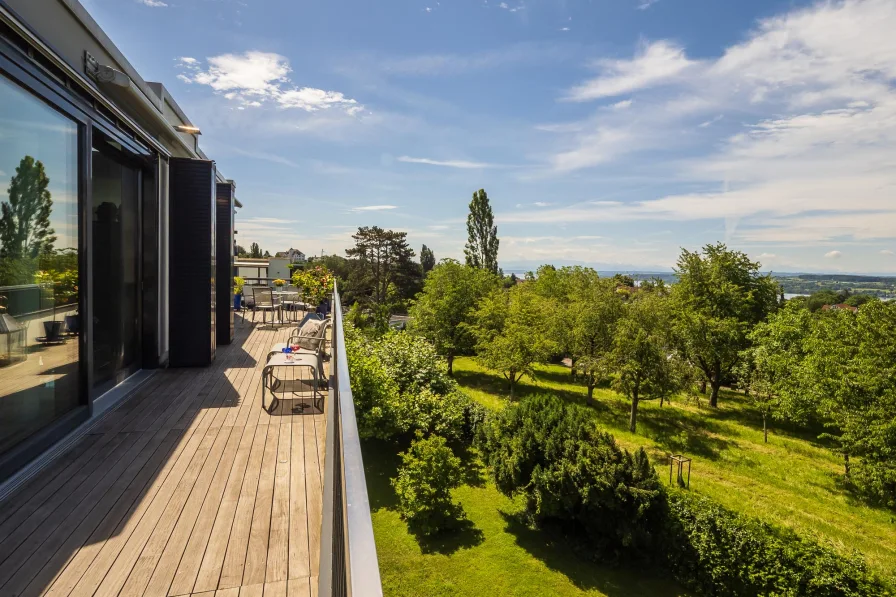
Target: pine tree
25 229
482 242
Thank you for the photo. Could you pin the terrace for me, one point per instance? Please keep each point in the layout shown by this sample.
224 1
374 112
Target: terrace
190 487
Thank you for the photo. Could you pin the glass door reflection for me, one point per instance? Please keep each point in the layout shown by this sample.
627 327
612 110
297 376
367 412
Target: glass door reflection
116 263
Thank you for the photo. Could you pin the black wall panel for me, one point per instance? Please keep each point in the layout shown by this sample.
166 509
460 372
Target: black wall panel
192 274
224 261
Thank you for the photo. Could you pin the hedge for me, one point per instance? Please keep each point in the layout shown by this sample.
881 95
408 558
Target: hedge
720 553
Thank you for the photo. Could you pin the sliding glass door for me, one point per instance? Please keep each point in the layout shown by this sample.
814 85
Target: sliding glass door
116 263
39 274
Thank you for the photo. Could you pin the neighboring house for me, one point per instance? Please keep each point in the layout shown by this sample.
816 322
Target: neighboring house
293 256
839 306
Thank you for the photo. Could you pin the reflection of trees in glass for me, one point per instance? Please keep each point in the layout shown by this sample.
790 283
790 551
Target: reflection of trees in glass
25 229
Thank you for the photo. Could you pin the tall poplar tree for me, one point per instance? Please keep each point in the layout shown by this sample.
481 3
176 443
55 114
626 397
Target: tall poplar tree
482 234
427 259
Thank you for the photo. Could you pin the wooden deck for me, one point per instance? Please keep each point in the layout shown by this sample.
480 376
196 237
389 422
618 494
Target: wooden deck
188 488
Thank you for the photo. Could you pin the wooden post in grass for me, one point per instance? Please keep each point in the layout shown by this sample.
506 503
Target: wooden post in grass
680 460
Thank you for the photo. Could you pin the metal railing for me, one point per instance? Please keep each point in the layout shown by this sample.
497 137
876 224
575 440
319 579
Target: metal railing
348 562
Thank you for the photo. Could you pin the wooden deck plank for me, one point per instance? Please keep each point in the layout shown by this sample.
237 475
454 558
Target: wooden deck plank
91 545
184 504
299 560
298 587
75 525
278 542
256 555
252 591
275 589
230 572
209 488
21 530
215 519
57 472
314 493
110 569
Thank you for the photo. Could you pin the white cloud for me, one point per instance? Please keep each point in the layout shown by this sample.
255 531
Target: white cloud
887 252
374 208
503 5
542 204
255 77
646 4
710 122
153 3
833 255
813 91
624 104
564 28
312 100
462 164
655 63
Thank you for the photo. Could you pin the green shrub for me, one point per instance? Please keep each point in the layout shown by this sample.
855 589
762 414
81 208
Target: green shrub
431 413
475 417
717 552
569 470
374 391
414 364
428 473
400 386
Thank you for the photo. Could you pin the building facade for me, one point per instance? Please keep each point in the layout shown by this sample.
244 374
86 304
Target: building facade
87 155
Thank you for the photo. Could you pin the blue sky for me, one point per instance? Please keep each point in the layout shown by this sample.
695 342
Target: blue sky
607 132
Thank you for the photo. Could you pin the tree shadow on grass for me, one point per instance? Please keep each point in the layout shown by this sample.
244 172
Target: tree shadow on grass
492 383
464 535
473 471
381 462
567 555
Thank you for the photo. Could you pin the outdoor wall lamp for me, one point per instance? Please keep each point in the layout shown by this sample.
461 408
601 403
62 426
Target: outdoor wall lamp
186 128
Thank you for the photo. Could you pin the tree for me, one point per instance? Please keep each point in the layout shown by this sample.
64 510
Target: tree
267 254
443 311
482 235
511 335
427 259
770 369
719 297
429 471
850 373
25 229
385 272
255 251
594 315
568 469
585 311
240 251
643 359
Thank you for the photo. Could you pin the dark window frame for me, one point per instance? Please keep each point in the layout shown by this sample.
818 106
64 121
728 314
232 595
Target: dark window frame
20 69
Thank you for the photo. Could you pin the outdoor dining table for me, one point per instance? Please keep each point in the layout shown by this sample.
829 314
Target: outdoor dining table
284 294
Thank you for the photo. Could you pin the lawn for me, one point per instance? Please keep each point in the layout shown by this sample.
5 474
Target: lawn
792 480
495 554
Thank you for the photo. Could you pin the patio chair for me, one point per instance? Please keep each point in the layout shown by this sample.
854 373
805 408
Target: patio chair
264 302
292 302
311 340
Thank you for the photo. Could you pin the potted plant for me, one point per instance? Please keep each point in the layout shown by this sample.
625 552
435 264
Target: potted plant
238 284
48 279
279 283
67 289
316 284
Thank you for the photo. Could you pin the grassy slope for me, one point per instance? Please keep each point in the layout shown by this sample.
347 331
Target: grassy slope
791 480
494 555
